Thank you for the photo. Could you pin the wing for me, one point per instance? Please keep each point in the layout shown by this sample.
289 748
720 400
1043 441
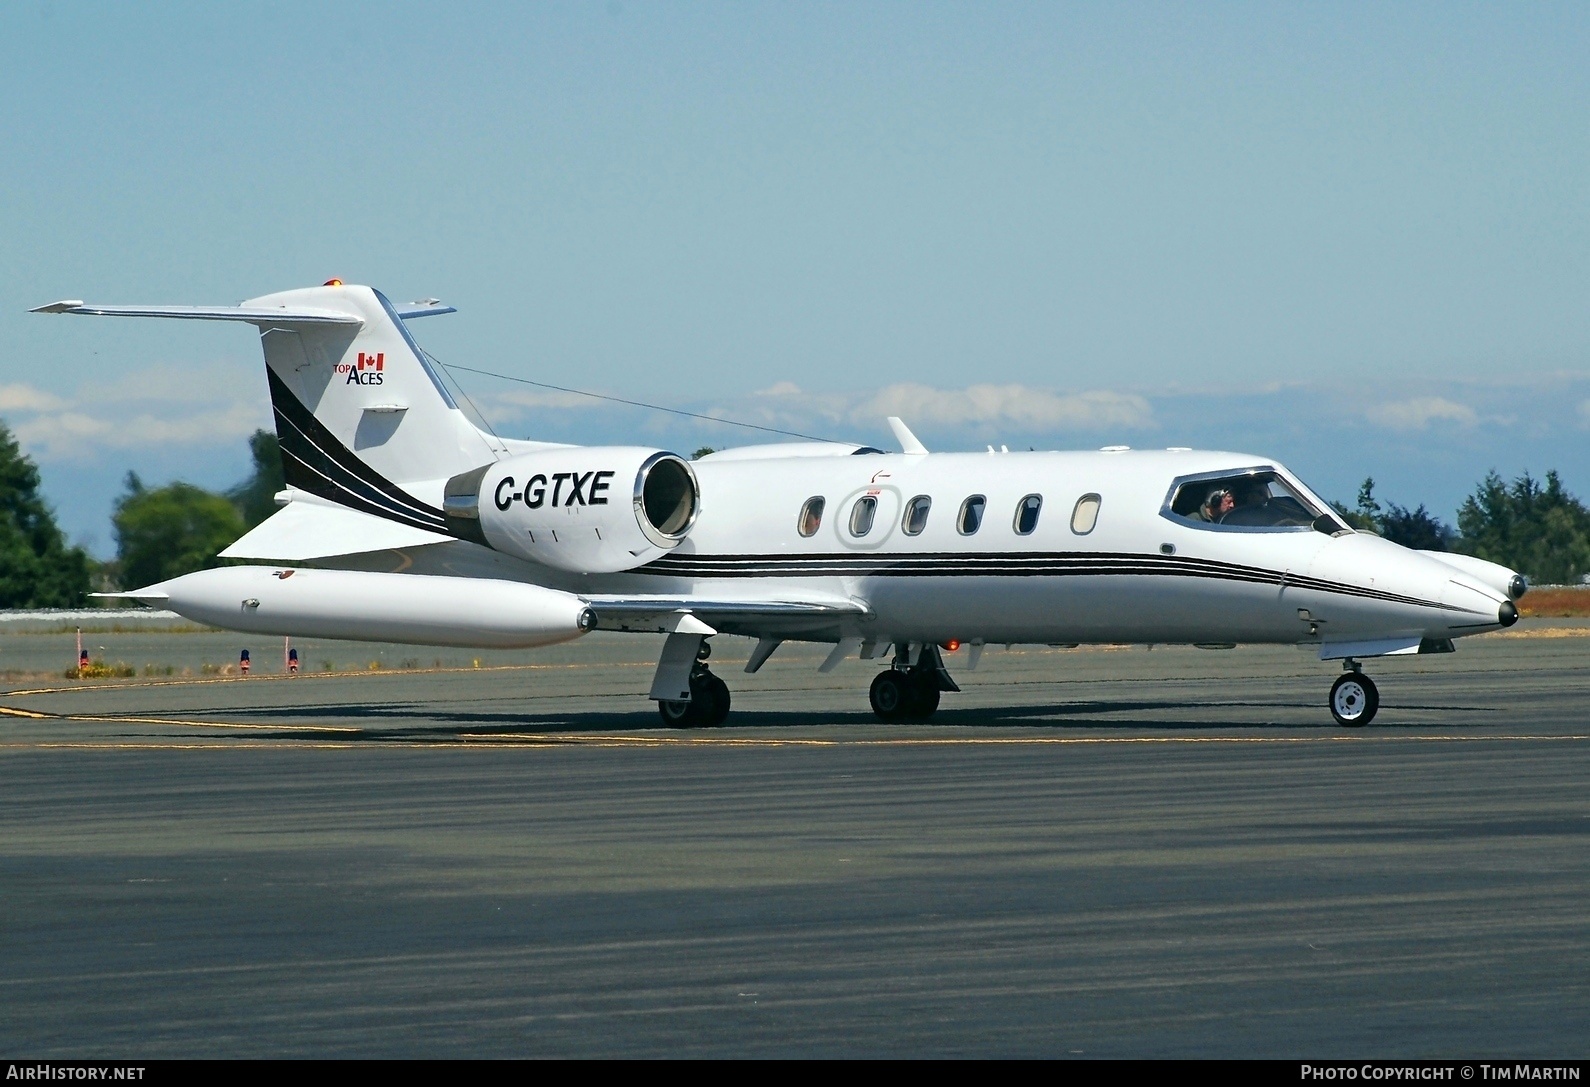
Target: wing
783 616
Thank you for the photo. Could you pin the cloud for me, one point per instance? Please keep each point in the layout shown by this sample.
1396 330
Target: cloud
160 407
515 402
1419 412
1017 405
976 406
26 398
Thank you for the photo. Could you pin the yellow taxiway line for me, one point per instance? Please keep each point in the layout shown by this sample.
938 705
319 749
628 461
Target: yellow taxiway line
268 677
550 739
10 711
359 736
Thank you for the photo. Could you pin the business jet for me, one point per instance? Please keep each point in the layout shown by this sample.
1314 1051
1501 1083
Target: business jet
403 521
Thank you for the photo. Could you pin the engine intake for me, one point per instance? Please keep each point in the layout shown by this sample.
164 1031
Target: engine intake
564 507
667 499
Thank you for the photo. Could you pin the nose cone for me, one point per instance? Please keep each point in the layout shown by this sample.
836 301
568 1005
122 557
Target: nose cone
1507 614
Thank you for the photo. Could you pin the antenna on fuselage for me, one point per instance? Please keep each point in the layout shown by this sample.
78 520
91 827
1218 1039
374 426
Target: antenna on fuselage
909 442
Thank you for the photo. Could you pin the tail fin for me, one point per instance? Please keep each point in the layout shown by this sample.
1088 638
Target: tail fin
362 417
367 388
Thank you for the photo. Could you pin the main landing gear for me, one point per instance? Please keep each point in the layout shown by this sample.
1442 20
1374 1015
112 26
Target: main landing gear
709 698
1354 697
910 692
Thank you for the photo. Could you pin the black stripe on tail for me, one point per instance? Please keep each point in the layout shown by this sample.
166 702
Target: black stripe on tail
313 460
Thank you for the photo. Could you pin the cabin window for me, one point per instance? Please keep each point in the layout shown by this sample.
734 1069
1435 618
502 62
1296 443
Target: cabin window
1027 514
916 513
1251 499
861 515
811 518
1085 515
971 518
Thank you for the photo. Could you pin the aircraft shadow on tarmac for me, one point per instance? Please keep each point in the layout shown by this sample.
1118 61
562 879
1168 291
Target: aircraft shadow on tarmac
411 721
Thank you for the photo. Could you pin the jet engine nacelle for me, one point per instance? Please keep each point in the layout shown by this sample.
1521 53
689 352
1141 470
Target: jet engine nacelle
586 509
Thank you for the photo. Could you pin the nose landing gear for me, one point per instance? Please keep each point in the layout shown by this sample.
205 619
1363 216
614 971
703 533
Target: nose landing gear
709 698
1354 697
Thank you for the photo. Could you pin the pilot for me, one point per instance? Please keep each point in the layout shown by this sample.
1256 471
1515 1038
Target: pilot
1216 505
1249 501
1258 507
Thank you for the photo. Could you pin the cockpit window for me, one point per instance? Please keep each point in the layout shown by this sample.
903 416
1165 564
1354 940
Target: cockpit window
1253 499
811 518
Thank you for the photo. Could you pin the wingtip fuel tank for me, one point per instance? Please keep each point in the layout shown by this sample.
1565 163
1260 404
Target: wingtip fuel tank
362 605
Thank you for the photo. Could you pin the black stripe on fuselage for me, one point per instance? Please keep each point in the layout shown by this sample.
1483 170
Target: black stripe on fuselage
314 460
997 564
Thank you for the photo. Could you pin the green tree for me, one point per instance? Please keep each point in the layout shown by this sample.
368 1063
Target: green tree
1418 528
1367 515
171 530
1538 529
704 451
255 497
37 569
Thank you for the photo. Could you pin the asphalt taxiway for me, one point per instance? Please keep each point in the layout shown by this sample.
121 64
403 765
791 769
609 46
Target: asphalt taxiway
1088 852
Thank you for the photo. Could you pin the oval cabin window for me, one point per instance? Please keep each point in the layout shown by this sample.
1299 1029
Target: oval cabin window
811 518
971 518
916 513
1086 515
861 515
1027 514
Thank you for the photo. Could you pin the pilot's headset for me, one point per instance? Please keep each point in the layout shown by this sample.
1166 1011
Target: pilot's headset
1211 503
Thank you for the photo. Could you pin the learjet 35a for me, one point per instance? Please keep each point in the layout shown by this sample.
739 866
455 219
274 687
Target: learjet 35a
402 521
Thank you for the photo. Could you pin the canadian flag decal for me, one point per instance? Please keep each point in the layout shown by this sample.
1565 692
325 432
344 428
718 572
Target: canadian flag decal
372 362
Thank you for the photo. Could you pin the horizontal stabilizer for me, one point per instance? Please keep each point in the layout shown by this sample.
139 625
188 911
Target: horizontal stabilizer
426 307
309 530
254 314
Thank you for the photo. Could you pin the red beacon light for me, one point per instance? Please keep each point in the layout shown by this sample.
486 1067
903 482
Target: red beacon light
952 645
332 283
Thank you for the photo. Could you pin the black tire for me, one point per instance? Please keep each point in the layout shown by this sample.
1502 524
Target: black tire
924 698
890 695
679 714
1354 700
720 702
708 705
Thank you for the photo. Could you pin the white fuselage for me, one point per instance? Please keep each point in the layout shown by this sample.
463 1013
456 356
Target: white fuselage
1138 575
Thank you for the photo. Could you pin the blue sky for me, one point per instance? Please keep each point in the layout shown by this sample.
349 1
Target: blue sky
1352 237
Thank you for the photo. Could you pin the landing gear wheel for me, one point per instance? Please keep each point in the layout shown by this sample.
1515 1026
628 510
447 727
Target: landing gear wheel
890 695
708 706
924 698
678 714
720 702
1354 699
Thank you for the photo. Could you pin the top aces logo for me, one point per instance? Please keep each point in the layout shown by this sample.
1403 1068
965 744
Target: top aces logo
369 370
